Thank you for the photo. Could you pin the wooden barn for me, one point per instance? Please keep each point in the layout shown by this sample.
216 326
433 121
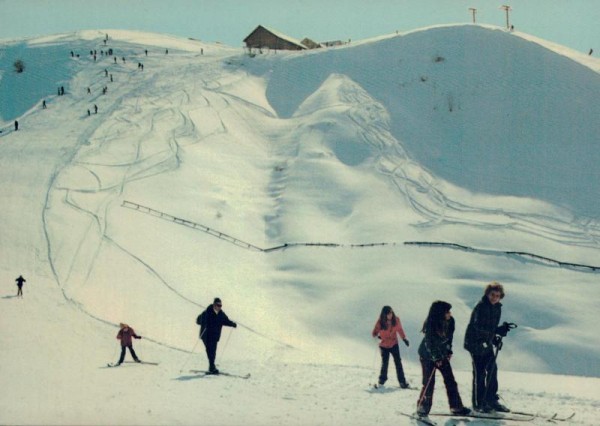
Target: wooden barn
311 44
265 38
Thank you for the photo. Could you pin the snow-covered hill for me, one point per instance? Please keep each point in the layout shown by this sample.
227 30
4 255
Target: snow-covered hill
478 142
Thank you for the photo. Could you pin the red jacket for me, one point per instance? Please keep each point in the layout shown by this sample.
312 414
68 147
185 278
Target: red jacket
389 336
125 335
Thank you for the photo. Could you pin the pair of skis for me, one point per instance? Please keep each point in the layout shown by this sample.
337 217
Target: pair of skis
379 387
512 416
116 364
553 418
203 373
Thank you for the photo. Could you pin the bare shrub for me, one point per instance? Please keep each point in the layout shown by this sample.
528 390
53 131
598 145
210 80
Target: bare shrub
19 66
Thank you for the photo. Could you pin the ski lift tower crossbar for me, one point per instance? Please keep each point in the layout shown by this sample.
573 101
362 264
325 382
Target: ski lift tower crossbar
473 12
507 9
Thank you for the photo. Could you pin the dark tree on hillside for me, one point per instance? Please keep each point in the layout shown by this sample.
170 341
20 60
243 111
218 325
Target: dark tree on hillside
19 66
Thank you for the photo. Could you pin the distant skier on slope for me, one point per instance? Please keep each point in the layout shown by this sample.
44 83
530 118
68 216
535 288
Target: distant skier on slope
20 280
435 352
480 340
125 335
211 321
387 328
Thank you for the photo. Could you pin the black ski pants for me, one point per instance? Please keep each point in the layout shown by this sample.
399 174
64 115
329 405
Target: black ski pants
485 379
211 351
131 351
394 351
426 396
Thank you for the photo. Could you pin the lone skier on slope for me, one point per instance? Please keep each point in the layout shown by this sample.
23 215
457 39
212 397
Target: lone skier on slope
125 335
211 321
387 328
20 282
482 335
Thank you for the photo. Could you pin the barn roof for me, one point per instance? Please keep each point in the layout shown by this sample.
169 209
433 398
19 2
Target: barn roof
279 35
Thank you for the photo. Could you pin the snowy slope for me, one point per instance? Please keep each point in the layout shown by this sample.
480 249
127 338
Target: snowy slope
362 148
482 108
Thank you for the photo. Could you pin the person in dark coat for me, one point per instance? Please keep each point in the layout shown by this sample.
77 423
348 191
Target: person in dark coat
480 338
20 282
211 321
125 335
435 352
16 125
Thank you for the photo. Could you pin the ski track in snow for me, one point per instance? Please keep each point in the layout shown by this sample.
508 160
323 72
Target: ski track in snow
112 176
170 105
420 189
116 149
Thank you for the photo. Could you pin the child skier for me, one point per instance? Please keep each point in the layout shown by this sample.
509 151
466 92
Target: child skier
387 328
435 352
125 335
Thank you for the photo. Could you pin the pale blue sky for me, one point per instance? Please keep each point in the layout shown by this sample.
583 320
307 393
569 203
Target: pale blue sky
573 23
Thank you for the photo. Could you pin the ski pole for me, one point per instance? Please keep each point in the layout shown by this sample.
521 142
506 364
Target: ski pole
114 353
226 342
409 360
189 356
377 350
494 366
408 355
424 391
493 362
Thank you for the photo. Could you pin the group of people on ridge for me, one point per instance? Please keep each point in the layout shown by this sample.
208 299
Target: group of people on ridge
483 335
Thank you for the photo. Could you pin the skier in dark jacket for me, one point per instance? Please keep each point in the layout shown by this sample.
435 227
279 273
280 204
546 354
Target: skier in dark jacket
435 352
211 321
480 339
20 282
125 335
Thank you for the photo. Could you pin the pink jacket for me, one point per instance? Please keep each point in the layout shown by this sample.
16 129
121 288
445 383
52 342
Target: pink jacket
389 336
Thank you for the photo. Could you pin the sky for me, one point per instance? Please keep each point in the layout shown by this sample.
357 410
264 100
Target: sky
573 24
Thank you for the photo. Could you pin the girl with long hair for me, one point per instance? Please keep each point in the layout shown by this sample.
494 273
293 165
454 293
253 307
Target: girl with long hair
435 352
387 328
